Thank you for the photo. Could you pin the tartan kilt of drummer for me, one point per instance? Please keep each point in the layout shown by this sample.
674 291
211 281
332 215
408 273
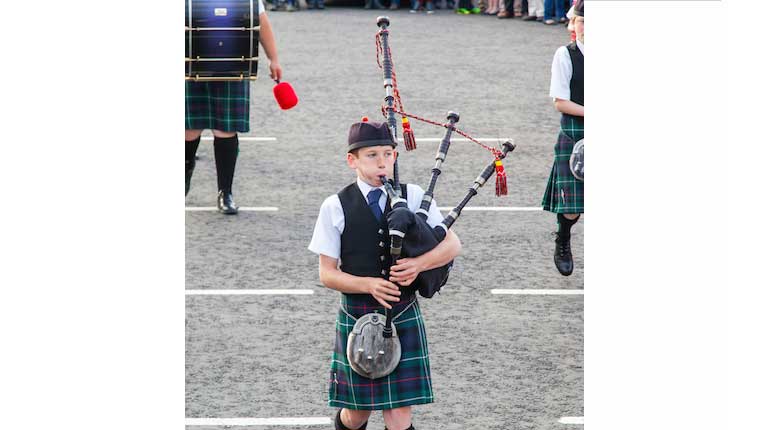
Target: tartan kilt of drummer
408 384
563 193
222 105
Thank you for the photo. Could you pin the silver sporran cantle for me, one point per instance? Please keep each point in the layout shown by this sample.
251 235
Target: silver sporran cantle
369 353
576 163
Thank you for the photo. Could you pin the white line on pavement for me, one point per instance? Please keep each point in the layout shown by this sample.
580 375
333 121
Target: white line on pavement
571 420
438 139
288 421
419 139
246 138
494 208
244 292
538 292
242 208
443 208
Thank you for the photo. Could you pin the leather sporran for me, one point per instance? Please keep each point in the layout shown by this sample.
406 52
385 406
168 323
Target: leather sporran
576 163
369 353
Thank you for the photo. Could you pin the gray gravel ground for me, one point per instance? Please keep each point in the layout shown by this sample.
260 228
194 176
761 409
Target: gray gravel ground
498 362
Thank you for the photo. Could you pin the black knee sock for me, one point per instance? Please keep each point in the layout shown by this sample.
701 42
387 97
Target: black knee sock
190 148
338 425
225 154
565 226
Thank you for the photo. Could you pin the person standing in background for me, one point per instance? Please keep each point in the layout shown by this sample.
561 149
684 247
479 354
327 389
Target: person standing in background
564 193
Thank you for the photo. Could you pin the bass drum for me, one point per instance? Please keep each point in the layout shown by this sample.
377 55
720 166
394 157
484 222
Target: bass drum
221 40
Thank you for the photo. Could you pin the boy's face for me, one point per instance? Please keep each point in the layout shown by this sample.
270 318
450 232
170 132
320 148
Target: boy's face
578 24
372 162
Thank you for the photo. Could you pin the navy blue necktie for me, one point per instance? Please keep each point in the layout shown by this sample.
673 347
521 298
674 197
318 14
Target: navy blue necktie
374 202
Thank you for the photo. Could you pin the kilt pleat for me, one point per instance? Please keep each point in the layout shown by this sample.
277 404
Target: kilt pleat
408 384
217 106
563 193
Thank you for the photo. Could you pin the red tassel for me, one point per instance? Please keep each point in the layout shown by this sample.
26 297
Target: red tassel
501 182
409 142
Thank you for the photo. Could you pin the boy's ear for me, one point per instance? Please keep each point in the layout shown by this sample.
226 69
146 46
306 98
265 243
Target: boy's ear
351 159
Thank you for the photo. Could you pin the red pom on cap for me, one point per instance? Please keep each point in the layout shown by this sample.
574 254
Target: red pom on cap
284 95
365 119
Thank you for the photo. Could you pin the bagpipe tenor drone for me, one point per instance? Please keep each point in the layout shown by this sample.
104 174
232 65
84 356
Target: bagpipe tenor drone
375 353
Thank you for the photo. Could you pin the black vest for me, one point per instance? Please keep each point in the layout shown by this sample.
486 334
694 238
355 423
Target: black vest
576 83
365 242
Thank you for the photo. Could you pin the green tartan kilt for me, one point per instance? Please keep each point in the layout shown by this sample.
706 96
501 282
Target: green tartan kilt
408 384
563 193
222 105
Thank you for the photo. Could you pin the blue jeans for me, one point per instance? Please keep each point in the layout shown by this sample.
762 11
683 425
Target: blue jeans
559 7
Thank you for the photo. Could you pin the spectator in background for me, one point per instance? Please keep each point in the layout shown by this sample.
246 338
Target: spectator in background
491 7
465 7
506 7
535 10
278 5
564 192
373 4
315 4
554 11
429 7
292 5
511 9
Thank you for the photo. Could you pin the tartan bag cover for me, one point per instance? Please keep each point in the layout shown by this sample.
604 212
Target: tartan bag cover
410 382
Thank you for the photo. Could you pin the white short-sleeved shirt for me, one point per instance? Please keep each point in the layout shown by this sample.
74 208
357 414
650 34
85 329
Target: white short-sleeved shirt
561 72
327 235
261 7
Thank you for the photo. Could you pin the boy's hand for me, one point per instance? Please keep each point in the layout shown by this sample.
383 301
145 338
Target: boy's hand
405 271
276 72
382 290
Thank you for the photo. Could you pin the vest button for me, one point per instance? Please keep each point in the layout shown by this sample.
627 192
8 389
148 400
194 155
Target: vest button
382 258
380 231
382 244
383 272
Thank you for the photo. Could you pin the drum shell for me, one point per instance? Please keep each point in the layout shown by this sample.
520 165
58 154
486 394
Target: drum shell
220 42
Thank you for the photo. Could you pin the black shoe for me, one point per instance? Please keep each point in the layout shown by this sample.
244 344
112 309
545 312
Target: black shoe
562 256
226 204
189 166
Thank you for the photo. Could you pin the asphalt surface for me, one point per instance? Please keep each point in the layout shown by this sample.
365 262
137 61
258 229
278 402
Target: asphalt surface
498 362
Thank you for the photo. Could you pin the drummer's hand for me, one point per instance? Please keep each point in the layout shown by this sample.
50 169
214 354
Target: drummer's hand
275 71
383 291
405 271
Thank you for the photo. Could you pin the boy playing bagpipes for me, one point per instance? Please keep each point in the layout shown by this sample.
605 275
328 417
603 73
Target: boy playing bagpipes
352 241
